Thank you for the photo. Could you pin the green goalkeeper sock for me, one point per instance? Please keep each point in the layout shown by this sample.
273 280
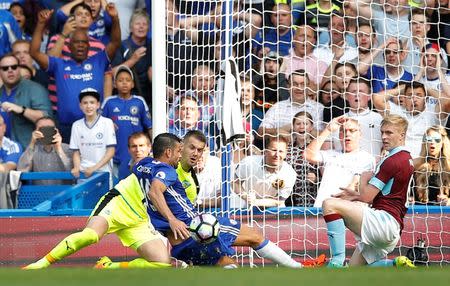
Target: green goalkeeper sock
72 244
138 263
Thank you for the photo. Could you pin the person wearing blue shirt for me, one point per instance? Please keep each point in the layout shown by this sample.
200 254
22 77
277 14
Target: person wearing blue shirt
10 151
9 31
77 73
129 113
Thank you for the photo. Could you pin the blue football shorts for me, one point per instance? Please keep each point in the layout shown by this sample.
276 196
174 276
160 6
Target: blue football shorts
196 253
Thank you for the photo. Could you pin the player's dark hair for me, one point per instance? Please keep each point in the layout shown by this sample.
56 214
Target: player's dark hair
197 134
163 142
415 84
299 72
136 135
82 4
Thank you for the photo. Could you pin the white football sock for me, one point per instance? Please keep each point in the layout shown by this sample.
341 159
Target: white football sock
269 250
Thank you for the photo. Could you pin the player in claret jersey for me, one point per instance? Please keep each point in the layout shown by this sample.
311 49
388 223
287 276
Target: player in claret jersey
377 227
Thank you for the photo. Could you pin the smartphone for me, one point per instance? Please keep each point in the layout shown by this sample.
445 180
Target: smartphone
48 132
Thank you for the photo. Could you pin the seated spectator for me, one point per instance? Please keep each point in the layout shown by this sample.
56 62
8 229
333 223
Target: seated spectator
432 175
102 26
271 87
139 147
93 139
135 53
358 95
209 176
343 73
194 143
278 36
385 77
278 119
308 175
128 112
10 151
336 49
10 31
77 73
419 112
22 101
21 49
18 12
302 56
340 168
266 180
46 152
432 71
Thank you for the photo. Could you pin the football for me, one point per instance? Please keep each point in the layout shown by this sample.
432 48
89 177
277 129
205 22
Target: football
204 228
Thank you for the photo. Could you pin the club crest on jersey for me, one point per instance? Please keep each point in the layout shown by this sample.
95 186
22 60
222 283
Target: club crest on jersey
87 67
99 135
134 110
100 22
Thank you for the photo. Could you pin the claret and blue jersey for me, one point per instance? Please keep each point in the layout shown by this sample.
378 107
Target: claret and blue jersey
148 170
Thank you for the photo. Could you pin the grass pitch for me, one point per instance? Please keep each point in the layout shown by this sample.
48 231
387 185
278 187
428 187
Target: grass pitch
432 276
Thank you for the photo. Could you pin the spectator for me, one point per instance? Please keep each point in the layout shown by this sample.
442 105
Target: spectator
279 117
266 180
252 116
327 96
302 56
102 26
432 175
21 49
25 72
139 147
271 87
22 101
9 32
128 112
340 168
420 114
308 175
127 8
46 152
10 151
318 15
366 40
194 143
391 19
358 95
209 176
93 139
278 37
187 116
336 49
18 13
385 77
135 53
77 73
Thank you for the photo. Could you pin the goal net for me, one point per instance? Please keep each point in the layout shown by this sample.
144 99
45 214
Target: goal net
284 69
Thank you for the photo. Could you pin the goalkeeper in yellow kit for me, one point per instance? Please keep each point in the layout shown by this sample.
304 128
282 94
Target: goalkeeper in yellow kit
120 211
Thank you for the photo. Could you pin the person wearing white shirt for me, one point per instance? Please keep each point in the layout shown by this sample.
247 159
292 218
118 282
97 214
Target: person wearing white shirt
415 108
209 176
278 119
266 180
341 169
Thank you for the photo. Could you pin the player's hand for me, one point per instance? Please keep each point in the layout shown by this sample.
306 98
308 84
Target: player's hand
179 229
70 26
44 16
336 123
346 194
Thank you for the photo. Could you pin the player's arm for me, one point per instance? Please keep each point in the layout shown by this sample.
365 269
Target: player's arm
109 154
36 54
156 195
115 42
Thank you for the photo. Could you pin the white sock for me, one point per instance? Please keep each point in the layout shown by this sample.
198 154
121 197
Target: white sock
269 250
230 266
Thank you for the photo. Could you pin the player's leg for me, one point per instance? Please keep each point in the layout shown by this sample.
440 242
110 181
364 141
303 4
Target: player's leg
265 248
338 214
95 229
357 259
227 262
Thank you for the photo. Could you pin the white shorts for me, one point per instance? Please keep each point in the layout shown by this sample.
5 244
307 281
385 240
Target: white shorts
380 233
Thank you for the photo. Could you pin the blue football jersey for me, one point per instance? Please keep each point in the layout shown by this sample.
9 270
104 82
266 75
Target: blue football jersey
148 170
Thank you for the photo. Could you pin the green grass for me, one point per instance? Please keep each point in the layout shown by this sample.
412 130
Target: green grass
432 276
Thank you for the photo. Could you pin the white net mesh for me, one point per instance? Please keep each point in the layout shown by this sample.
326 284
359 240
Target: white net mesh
301 64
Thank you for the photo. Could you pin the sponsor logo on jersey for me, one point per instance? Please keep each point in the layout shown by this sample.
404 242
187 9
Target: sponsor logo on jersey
233 222
83 76
186 184
145 169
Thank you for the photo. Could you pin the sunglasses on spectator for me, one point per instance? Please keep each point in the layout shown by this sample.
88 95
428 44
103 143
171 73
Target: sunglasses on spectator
388 52
6 68
431 139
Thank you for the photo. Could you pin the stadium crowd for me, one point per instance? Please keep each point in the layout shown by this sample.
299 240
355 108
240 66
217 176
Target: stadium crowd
76 83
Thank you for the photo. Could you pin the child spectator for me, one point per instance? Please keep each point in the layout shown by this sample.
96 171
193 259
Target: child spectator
129 113
93 139
18 12
432 175
308 175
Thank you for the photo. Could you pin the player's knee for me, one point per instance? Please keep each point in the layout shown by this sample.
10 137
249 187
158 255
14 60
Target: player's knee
90 236
328 205
255 238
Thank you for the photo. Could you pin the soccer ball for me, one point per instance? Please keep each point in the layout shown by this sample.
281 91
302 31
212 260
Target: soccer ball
204 228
